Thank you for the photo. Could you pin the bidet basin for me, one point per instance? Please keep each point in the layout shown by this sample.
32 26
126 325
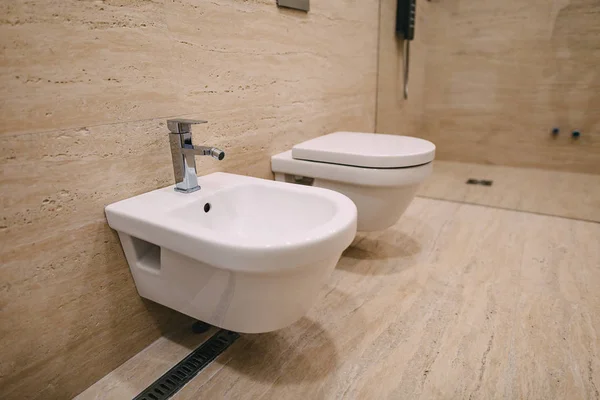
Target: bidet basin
241 253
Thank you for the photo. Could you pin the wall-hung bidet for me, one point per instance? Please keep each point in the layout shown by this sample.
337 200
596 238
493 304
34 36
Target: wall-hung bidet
241 253
380 173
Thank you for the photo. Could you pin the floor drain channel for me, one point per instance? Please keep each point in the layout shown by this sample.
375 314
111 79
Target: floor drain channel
174 379
483 182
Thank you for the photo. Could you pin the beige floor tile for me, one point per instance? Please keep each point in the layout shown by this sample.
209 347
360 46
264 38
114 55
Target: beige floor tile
456 301
565 194
144 368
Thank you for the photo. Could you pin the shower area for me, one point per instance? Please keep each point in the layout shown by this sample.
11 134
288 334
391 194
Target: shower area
510 94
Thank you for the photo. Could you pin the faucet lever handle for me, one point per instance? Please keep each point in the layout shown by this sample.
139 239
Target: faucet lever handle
182 125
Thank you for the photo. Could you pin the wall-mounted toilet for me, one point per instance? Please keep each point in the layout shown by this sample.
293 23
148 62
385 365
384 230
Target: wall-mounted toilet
380 173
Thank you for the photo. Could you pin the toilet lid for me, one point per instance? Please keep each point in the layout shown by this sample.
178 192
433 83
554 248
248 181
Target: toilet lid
370 150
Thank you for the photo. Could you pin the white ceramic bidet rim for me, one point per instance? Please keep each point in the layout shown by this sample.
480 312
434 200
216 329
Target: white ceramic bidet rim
241 253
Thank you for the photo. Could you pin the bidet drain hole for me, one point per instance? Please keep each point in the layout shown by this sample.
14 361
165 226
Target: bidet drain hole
207 207
175 378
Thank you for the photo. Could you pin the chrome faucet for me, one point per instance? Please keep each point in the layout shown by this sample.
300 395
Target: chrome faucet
183 152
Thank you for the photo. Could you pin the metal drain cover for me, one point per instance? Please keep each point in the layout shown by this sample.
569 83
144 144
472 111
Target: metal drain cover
175 378
484 182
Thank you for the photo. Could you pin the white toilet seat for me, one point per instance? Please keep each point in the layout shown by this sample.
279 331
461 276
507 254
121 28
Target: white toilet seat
286 164
368 150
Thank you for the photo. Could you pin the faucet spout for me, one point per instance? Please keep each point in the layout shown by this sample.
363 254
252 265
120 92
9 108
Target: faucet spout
190 149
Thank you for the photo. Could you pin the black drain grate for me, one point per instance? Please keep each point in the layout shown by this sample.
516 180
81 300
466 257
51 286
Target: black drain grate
174 379
483 182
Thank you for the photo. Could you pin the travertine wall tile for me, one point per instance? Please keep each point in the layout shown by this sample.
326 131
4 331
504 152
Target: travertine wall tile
289 58
73 63
70 63
498 76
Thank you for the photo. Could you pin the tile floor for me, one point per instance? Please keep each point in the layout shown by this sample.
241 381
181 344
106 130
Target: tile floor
456 301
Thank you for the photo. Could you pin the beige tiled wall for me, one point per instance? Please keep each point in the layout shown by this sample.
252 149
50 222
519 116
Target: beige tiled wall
490 79
85 88
395 114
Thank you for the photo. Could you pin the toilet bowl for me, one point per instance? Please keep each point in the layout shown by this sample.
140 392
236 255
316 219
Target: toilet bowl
380 173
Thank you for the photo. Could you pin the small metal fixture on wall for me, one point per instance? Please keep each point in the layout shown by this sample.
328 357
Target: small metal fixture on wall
303 5
405 30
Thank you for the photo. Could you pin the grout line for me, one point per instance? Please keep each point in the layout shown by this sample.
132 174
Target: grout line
510 209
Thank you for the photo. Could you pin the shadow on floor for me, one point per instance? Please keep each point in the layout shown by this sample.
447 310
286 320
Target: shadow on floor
391 245
284 357
180 329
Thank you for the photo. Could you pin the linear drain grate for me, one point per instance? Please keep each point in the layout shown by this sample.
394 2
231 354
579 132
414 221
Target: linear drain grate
174 379
483 182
